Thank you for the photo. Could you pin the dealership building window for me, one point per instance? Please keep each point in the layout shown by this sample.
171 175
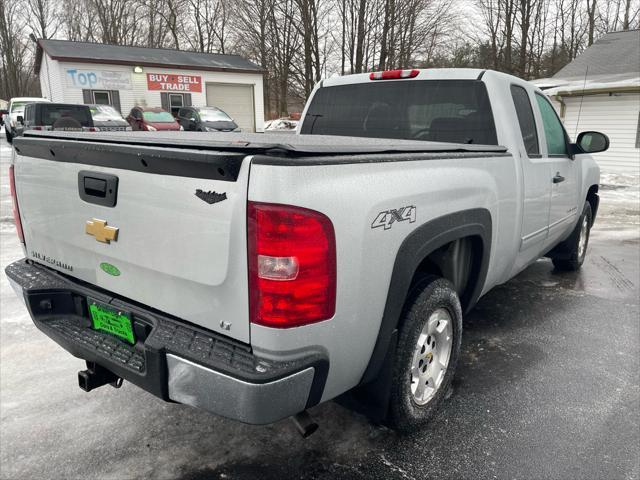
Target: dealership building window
172 102
102 97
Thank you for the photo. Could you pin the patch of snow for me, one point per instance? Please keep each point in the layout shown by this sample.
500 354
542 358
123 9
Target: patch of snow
600 83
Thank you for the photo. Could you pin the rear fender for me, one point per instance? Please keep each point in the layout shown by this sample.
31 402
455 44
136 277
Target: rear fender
414 249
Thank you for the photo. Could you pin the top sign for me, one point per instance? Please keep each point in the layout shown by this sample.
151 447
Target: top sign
174 83
98 79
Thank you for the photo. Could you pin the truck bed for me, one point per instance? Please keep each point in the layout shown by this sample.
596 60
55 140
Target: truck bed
172 192
277 145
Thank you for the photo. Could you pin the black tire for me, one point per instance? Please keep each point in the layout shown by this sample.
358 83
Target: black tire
427 295
8 135
570 256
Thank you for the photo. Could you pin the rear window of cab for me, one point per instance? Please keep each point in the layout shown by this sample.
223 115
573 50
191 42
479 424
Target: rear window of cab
456 111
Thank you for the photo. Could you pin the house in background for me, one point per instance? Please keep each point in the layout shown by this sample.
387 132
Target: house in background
124 77
600 90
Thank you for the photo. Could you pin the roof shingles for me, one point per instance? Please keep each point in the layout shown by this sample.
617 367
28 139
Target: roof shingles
117 54
613 55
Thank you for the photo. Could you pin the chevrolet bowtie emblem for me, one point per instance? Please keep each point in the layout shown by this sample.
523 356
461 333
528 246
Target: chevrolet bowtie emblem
99 230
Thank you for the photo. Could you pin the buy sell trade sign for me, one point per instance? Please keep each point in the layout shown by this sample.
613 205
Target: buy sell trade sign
174 83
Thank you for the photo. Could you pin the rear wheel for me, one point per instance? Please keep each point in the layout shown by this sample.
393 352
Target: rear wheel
427 353
575 247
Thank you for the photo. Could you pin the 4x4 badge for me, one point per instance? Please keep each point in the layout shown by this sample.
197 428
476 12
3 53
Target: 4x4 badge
388 217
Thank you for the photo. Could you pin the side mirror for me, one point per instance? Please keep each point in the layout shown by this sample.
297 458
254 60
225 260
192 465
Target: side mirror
20 119
192 120
592 142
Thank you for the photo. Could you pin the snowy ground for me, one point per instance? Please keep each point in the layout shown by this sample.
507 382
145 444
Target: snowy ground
620 205
547 387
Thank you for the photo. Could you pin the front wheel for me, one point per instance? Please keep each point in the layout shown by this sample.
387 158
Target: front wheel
574 249
7 133
427 353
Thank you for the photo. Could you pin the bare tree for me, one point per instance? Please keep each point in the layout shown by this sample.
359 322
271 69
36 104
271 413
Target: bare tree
117 20
284 47
308 11
618 15
210 25
78 21
16 77
591 18
297 42
526 11
253 19
44 20
171 14
491 11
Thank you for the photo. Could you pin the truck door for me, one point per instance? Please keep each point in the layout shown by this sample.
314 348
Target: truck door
536 182
564 174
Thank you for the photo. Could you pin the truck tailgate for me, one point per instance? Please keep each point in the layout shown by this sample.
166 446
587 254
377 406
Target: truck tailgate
180 216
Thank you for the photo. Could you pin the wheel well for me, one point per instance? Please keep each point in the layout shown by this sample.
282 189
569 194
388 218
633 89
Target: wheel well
459 262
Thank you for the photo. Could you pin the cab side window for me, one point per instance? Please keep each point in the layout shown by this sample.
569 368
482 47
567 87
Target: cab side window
553 130
27 115
525 119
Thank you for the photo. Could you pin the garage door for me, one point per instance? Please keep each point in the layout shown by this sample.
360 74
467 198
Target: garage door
236 100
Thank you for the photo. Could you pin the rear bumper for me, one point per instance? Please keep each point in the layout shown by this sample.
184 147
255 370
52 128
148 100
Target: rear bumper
172 359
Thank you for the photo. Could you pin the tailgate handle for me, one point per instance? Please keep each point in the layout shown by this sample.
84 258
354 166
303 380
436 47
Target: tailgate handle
98 188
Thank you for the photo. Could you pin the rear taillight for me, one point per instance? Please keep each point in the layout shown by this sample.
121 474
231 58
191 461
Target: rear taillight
292 265
14 197
393 74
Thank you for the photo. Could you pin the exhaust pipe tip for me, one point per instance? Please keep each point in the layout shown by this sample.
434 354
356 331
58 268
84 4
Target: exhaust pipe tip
305 424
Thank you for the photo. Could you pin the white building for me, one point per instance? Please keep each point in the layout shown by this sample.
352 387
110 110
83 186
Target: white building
600 90
82 72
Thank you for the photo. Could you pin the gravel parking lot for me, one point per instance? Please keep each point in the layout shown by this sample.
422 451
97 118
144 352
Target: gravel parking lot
547 387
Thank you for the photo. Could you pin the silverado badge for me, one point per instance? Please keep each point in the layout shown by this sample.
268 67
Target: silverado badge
211 197
100 230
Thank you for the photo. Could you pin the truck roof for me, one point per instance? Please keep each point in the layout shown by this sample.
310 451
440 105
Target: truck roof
424 74
265 143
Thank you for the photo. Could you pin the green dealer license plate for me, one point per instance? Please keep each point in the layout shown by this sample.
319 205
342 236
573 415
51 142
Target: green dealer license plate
111 320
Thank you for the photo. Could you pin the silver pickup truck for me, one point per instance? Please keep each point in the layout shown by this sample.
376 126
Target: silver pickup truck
256 276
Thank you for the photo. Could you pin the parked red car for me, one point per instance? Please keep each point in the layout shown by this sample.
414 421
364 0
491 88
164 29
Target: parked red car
152 119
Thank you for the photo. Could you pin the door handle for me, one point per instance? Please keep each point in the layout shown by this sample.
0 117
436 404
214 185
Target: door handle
98 188
558 178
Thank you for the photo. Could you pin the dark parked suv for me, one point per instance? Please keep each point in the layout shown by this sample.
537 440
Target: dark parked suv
55 116
206 119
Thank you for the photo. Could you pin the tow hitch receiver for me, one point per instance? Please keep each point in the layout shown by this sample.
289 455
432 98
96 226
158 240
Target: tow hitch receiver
96 376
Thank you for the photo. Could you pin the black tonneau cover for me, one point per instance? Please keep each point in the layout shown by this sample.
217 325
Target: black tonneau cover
283 145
